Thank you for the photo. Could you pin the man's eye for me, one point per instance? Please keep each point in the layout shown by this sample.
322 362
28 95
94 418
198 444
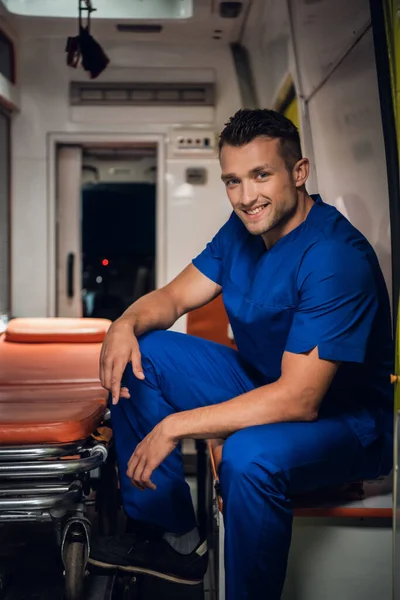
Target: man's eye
231 182
262 175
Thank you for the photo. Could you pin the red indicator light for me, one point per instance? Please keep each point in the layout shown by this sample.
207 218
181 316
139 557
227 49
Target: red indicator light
105 262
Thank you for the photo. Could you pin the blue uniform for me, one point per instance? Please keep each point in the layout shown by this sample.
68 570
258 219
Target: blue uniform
320 285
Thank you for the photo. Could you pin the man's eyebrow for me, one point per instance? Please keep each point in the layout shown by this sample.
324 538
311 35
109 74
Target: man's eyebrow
227 176
265 167
259 169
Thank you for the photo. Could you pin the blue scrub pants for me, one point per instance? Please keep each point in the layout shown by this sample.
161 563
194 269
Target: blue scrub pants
262 467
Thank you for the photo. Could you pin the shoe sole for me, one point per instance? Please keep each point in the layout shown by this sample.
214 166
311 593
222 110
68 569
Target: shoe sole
144 571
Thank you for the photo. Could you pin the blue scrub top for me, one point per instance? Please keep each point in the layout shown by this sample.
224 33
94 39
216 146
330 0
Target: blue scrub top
320 285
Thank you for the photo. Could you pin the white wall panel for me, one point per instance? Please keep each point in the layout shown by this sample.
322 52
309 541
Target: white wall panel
29 239
324 31
339 559
4 215
194 215
268 42
349 148
195 212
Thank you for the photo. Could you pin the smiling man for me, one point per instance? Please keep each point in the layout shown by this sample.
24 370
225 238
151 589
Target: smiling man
304 403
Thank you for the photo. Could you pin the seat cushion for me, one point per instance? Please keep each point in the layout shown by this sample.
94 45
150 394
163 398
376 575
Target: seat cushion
27 422
339 501
46 363
57 330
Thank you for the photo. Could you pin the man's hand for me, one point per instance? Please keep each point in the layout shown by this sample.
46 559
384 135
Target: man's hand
119 348
149 454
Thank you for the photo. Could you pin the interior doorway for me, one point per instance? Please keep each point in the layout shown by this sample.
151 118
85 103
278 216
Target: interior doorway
106 234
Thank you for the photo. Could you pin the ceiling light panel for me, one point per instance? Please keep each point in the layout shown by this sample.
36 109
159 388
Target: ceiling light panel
106 9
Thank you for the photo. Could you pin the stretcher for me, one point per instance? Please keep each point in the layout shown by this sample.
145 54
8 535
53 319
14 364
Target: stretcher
54 443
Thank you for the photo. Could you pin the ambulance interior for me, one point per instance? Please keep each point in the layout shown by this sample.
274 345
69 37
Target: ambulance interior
109 186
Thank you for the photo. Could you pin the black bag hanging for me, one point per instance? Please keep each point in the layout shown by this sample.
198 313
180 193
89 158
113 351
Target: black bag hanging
83 48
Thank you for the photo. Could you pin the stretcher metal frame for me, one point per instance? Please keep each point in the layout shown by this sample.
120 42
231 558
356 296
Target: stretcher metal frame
52 483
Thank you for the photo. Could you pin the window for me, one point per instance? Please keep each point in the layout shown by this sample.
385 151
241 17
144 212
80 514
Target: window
4 217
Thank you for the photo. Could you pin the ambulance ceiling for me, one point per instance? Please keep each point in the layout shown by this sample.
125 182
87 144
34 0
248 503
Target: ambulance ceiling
106 9
189 22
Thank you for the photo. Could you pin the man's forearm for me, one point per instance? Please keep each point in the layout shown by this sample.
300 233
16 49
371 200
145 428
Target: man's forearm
161 308
268 404
155 310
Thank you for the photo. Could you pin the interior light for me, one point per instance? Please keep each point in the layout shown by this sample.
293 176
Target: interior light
105 262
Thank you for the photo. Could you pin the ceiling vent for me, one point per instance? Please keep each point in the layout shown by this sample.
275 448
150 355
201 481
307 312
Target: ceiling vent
137 28
141 94
230 10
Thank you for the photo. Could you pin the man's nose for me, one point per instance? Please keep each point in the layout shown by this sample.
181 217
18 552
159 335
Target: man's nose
249 193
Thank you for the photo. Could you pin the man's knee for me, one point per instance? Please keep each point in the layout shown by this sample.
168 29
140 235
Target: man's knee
148 345
154 347
153 342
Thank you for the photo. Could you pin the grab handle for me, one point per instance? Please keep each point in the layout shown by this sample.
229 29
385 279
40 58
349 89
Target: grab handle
70 275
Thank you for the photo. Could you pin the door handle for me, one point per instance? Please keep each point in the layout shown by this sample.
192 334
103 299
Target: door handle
70 275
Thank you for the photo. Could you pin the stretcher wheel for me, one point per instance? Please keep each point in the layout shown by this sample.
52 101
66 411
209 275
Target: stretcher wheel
75 567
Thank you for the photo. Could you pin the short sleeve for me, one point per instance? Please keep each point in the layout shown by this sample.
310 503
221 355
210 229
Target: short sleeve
338 301
210 260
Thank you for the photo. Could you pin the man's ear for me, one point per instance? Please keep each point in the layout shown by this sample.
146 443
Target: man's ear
301 171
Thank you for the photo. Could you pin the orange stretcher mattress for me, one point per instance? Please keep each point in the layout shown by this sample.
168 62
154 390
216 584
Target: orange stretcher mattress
57 329
48 363
49 380
54 394
51 351
23 422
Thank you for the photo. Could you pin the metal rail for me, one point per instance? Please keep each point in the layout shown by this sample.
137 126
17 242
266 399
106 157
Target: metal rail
57 468
25 517
18 453
41 502
31 488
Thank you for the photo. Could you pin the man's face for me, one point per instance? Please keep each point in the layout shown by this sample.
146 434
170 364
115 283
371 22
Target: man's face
259 186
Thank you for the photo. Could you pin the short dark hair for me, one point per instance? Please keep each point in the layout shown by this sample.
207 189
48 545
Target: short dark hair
247 124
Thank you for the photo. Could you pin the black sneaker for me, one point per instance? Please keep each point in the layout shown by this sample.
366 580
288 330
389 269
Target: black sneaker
134 553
